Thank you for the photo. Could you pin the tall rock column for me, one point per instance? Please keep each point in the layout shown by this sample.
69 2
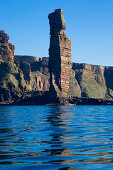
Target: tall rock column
60 62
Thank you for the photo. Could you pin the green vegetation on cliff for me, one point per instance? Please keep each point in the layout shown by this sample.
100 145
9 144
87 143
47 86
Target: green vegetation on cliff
91 80
18 79
74 88
12 83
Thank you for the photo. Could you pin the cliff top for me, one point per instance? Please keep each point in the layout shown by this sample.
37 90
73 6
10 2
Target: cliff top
4 38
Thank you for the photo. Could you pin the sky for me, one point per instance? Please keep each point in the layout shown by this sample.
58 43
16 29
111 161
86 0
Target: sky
89 25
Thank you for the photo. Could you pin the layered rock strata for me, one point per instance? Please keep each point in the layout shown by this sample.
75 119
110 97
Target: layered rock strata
60 62
6 48
25 79
26 58
35 70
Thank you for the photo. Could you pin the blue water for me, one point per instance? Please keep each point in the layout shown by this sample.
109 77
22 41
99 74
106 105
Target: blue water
56 137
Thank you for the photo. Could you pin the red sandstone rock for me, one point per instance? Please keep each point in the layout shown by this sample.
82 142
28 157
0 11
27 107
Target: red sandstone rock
60 62
6 49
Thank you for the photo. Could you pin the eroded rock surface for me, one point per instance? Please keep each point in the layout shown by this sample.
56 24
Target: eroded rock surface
94 81
60 62
36 72
6 48
26 58
31 80
23 77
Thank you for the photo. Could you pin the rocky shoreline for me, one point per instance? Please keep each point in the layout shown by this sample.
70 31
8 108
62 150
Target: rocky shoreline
44 98
30 80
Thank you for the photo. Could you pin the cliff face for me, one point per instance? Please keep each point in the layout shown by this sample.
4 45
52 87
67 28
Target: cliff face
94 81
29 74
6 48
24 58
12 82
26 75
35 70
55 76
89 81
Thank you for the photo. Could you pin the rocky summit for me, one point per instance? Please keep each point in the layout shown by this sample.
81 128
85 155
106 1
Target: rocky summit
6 48
55 79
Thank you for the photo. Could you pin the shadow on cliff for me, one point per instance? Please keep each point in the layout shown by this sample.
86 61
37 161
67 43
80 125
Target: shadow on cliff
108 75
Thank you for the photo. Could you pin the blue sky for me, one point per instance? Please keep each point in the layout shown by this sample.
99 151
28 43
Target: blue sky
89 25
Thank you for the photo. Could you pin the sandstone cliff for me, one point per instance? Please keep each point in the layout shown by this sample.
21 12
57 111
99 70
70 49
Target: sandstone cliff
35 70
35 80
6 48
20 74
17 79
90 81
94 81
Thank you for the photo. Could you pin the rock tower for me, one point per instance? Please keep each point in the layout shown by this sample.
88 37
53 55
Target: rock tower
60 62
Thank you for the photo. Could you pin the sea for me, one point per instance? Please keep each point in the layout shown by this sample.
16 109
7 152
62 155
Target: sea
56 137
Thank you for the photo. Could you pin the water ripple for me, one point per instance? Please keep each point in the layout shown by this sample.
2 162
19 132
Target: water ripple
56 137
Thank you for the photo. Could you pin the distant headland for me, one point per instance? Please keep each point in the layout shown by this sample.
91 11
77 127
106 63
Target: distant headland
29 80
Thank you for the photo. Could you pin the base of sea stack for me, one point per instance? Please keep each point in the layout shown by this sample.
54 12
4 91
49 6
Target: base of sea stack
45 98
42 98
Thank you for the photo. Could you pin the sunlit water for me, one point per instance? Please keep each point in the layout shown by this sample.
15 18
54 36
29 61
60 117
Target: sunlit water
56 137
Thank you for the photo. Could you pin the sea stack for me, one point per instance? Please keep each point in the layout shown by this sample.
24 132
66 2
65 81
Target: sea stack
60 62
